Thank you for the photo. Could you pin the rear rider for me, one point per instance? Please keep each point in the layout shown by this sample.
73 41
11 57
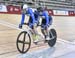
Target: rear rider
46 21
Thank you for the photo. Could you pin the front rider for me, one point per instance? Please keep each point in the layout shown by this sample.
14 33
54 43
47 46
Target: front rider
32 22
46 22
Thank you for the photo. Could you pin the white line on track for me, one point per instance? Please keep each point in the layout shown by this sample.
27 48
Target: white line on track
10 25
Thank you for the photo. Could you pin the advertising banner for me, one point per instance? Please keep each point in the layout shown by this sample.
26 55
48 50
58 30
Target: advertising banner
60 12
50 12
71 13
13 9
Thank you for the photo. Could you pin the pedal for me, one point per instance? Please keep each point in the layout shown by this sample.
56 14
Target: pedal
46 41
36 43
20 26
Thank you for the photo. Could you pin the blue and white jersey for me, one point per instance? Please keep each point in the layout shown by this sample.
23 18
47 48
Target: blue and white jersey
45 13
32 17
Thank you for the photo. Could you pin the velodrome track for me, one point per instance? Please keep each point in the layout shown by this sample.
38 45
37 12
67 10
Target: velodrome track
63 24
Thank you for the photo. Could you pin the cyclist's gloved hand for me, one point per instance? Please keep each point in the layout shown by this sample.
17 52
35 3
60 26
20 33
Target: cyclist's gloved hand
47 25
20 26
50 23
40 13
35 24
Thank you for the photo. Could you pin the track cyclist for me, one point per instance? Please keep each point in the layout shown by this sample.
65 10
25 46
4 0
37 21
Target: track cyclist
32 22
46 21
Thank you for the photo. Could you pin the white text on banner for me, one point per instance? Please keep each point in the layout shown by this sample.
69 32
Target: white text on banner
60 12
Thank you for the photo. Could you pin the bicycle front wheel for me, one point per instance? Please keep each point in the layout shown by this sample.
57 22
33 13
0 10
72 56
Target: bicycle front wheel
23 42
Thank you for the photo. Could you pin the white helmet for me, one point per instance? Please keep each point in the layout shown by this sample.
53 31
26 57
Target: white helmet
25 6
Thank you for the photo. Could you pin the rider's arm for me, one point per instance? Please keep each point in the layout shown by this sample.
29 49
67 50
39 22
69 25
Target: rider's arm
50 20
31 15
47 18
24 12
47 21
22 20
40 13
23 17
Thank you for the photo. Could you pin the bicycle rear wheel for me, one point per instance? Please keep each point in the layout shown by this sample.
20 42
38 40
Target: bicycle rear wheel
53 36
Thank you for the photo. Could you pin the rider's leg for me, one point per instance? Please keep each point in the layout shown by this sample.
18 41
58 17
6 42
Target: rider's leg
45 33
32 29
34 33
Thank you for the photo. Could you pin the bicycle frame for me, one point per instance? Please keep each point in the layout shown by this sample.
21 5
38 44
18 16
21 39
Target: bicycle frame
51 42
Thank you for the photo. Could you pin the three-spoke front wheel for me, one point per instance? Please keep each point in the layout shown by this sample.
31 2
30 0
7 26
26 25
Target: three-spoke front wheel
23 42
53 37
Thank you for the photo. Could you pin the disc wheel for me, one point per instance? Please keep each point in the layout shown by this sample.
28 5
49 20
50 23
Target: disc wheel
23 42
53 36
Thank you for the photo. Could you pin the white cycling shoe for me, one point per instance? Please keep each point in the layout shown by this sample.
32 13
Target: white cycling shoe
36 39
48 38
